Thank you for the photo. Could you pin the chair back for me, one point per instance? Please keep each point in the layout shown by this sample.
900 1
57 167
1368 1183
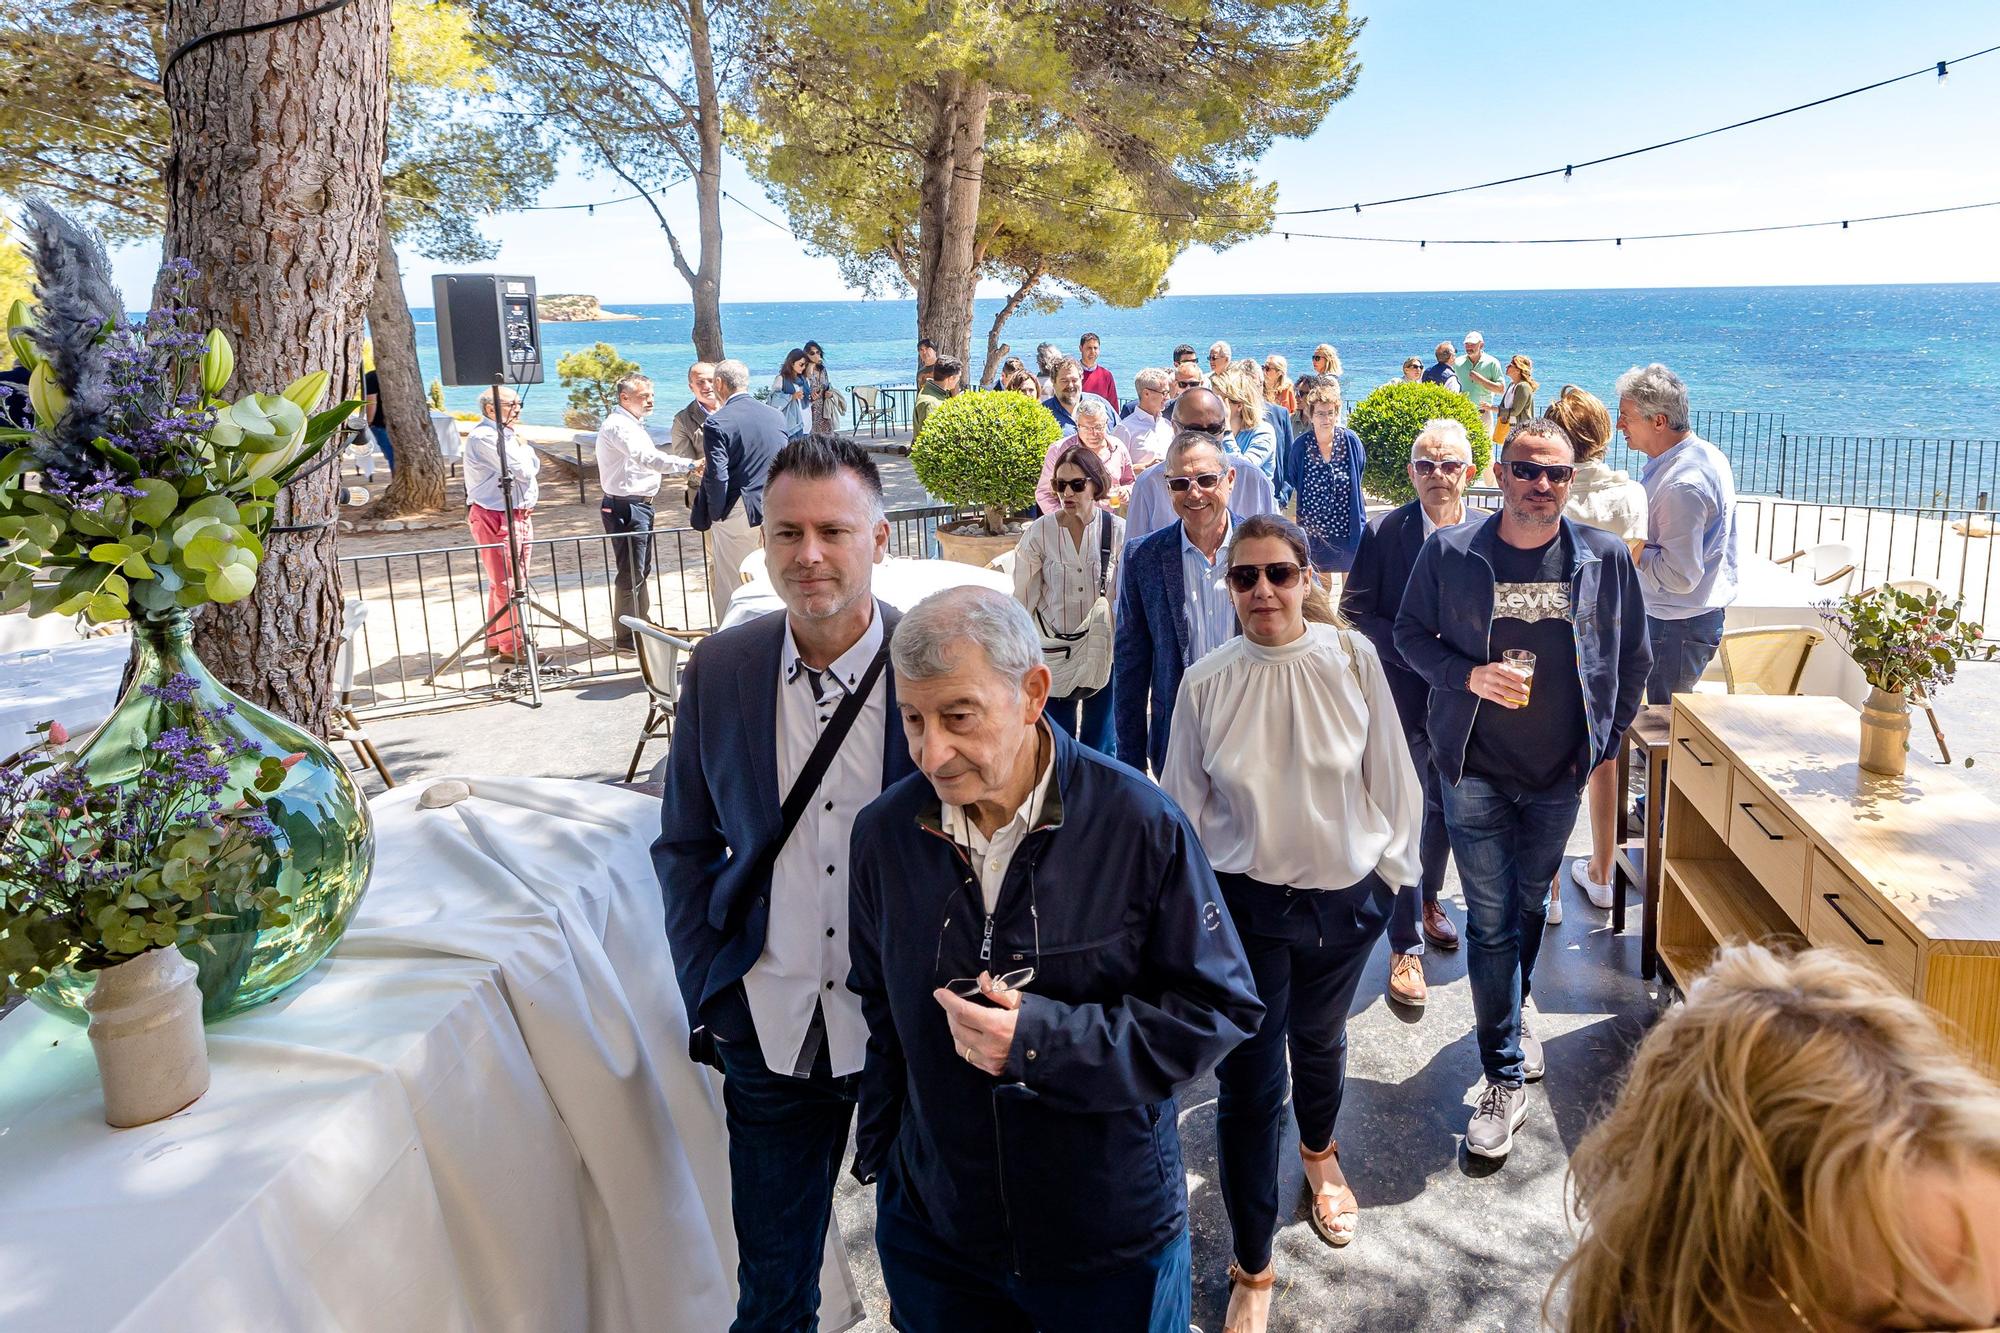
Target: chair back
1918 588
660 655
1769 659
1832 564
353 616
866 395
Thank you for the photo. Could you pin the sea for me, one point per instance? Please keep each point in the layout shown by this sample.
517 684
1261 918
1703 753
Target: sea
1876 360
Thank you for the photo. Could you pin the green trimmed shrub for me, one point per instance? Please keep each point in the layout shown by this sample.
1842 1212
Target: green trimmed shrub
985 448
1389 421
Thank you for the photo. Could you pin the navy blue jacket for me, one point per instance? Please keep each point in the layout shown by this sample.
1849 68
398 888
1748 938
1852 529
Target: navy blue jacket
1374 594
1444 634
1149 650
1068 1163
739 440
721 807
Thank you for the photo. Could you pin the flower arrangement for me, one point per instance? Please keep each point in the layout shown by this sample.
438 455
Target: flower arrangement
1904 641
93 876
139 489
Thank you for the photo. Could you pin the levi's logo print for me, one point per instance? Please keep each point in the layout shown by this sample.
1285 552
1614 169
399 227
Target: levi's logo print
1531 602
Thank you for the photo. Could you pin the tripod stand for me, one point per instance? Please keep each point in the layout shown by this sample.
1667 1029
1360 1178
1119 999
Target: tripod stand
529 672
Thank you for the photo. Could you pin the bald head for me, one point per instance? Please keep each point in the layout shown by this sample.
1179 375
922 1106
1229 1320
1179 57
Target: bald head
1200 409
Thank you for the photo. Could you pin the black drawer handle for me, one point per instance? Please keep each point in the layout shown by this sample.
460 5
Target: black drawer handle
1705 763
1750 814
1833 901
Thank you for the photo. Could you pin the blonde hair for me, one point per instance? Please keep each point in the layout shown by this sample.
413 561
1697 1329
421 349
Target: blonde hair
1243 390
1522 362
1332 359
1759 1157
1584 418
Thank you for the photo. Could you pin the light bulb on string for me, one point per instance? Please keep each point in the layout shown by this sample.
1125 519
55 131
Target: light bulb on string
1944 72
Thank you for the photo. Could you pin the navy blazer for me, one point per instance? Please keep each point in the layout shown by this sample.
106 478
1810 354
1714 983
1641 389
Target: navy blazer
1374 593
721 808
1150 649
739 440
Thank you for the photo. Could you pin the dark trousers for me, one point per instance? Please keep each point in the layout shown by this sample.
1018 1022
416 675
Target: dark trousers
1433 848
633 515
1307 950
1087 720
1682 650
787 1139
1508 846
933 1289
381 434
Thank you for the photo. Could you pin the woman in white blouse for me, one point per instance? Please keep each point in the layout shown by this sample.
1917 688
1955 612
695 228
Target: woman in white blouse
1289 760
1060 574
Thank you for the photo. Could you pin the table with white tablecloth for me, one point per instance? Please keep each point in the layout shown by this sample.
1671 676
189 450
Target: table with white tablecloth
74 682
476 1114
450 443
1769 594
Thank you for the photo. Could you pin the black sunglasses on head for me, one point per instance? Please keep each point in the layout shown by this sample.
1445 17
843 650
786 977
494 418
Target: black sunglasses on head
1076 484
1451 467
1283 574
1559 474
1208 481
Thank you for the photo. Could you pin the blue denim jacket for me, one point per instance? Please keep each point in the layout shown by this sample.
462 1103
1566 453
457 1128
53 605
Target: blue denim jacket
1445 629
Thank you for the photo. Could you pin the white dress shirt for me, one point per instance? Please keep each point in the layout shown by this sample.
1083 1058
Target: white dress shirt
1056 578
990 857
482 468
1290 770
1145 437
628 462
804 963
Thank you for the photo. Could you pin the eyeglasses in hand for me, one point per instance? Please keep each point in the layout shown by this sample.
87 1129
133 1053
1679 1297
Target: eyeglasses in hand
968 988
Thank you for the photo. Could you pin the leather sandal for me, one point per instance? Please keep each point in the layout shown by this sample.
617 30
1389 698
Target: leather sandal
1239 1278
1341 1205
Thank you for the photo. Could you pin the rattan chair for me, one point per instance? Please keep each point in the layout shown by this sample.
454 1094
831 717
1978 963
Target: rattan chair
870 410
660 659
1767 659
1828 565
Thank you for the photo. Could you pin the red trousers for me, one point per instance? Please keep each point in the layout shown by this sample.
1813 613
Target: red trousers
489 529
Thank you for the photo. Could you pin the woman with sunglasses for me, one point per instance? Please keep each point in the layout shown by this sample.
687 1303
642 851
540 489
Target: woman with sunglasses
825 401
1517 405
1323 468
1061 573
1277 389
1287 755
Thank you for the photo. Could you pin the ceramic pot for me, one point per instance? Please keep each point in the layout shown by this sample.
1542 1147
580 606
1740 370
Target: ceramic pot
969 543
145 1026
1885 731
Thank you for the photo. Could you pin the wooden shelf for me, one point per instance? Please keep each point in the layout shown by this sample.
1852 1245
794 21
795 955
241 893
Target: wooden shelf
1729 900
1684 962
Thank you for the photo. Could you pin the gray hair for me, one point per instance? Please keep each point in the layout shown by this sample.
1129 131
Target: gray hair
1656 391
630 384
1188 438
927 638
1152 378
1445 433
732 375
486 400
1090 405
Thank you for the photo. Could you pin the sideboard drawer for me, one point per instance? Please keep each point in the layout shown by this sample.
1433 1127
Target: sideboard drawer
1770 846
1840 915
1697 768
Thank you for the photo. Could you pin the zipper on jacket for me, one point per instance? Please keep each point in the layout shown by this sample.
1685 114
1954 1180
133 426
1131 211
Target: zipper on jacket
1000 1167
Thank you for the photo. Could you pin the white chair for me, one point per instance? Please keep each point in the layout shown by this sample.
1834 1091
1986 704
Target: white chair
354 616
1767 659
1828 565
660 661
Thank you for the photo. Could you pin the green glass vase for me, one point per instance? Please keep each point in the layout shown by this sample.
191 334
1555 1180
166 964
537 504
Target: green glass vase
318 813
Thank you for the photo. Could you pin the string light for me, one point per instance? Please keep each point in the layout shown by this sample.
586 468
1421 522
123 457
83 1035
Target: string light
1944 72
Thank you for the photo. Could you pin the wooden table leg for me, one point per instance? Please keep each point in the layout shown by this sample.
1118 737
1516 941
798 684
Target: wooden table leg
1618 831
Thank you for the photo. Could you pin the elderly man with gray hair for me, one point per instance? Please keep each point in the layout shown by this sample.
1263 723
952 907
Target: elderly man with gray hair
1043 956
629 468
1147 429
1687 563
739 439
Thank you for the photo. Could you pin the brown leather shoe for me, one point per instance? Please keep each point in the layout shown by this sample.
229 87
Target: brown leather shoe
1438 928
1406 980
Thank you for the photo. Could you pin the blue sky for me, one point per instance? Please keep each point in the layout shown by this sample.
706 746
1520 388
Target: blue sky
1446 100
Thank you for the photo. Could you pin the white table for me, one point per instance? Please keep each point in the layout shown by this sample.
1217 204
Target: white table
477 1114
450 443
1768 594
74 683
900 582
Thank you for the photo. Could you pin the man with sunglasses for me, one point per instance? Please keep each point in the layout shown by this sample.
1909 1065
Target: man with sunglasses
1440 469
1043 956
1514 743
1151 508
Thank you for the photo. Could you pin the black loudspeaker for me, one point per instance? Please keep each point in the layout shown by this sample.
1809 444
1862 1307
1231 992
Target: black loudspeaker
487 327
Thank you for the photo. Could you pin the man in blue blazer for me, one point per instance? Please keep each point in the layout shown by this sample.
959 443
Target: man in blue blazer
758 920
1173 599
738 440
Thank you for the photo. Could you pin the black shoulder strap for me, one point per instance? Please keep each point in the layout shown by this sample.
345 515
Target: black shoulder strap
1103 552
819 761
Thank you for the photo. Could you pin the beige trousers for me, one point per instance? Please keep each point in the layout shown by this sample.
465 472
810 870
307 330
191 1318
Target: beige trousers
730 542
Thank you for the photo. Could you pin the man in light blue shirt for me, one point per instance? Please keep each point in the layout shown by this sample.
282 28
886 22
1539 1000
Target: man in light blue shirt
1150 507
1687 564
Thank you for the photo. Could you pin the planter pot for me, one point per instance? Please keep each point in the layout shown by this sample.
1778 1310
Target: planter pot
969 544
145 1027
1885 732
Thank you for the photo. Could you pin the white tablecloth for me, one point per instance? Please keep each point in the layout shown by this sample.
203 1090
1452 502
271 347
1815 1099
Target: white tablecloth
900 582
74 683
450 443
477 1114
1769 594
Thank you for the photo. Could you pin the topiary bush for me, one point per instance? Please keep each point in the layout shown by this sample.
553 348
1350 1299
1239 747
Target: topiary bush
985 448
1389 421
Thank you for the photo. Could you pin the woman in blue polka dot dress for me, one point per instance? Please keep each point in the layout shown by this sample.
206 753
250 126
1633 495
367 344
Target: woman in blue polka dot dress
1324 469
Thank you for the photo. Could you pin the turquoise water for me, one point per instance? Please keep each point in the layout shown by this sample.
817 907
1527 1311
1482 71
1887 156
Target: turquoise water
1906 360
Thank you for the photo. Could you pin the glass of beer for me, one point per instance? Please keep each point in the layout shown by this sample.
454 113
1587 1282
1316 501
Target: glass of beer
1522 663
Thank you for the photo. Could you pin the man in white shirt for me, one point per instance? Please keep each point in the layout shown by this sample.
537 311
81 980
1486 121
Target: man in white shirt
1146 432
486 513
629 468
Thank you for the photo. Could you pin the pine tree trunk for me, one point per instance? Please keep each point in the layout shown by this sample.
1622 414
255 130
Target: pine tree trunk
707 283
948 216
274 189
416 484
995 349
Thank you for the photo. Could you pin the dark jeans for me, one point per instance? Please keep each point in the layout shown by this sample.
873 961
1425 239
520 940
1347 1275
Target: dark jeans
1508 848
1682 650
634 555
381 434
1307 950
932 1289
1433 847
787 1139
1094 727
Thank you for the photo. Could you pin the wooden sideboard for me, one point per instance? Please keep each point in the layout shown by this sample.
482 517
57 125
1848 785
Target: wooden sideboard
1774 831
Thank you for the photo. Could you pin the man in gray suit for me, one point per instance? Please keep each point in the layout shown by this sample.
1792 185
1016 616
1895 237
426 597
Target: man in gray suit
739 439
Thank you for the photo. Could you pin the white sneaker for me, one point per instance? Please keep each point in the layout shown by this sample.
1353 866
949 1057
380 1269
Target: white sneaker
1599 894
1499 1113
1533 1063
1555 916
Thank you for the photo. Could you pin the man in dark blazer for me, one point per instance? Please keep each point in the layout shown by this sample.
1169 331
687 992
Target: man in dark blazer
758 922
739 439
1440 469
1173 599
